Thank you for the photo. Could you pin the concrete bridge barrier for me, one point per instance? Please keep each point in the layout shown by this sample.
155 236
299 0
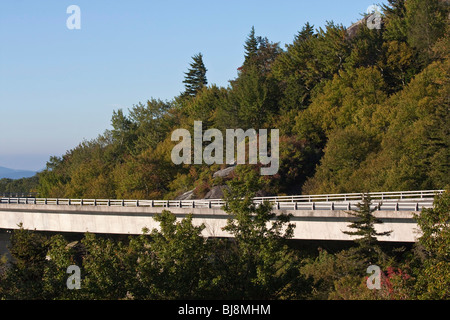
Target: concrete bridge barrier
314 224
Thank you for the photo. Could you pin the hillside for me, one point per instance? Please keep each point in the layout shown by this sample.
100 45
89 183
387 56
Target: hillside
365 112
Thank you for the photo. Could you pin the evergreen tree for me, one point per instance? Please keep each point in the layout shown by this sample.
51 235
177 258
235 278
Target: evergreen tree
195 78
291 70
251 46
304 34
394 7
365 228
260 52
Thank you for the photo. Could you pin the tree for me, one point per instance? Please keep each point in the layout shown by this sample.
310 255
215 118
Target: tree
195 78
395 28
108 271
364 225
257 264
23 278
60 255
251 46
304 34
174 261
253 98
152 123
259 53
426 21
433 275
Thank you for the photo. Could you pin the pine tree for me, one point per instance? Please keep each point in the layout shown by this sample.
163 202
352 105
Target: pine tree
306 32
251 46
394 7
365 227
195 78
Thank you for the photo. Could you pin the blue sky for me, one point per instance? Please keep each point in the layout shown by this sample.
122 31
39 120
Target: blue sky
60 86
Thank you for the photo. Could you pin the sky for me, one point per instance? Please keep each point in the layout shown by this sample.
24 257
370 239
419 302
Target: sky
59 86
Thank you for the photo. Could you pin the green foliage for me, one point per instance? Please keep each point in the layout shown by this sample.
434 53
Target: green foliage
195 78
23 185
253 99
181 263
366 111
357 111
260 264
251 46
426 21
60 255
433 278
22 280
326 272
368 250
176 261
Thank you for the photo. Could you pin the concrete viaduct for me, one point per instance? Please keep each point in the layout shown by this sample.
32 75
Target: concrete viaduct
316 217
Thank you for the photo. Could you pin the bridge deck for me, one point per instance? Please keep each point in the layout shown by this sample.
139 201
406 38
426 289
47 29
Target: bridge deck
314 220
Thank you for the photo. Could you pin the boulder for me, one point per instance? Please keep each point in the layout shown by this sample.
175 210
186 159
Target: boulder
189 195
216 192
224 172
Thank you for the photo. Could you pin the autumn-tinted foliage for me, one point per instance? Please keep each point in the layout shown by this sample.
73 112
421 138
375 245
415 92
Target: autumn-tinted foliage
357 112
365 110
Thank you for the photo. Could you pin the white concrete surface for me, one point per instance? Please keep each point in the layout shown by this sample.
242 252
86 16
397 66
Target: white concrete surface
310 225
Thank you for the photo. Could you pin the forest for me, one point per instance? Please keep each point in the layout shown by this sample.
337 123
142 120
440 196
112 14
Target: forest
358 109
260 262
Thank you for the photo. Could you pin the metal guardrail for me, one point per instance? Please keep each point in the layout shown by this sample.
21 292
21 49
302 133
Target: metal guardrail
384 196
391 201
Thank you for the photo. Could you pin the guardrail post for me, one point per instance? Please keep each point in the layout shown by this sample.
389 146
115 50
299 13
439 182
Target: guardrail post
123 203
313 207
180 204
137 203
349 206
417 206
57 201
193 203
95 202
151 204
209 204
332 206
109 202
295 206
396 206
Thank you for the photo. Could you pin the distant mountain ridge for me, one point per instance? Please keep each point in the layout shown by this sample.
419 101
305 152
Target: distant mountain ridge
15 174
